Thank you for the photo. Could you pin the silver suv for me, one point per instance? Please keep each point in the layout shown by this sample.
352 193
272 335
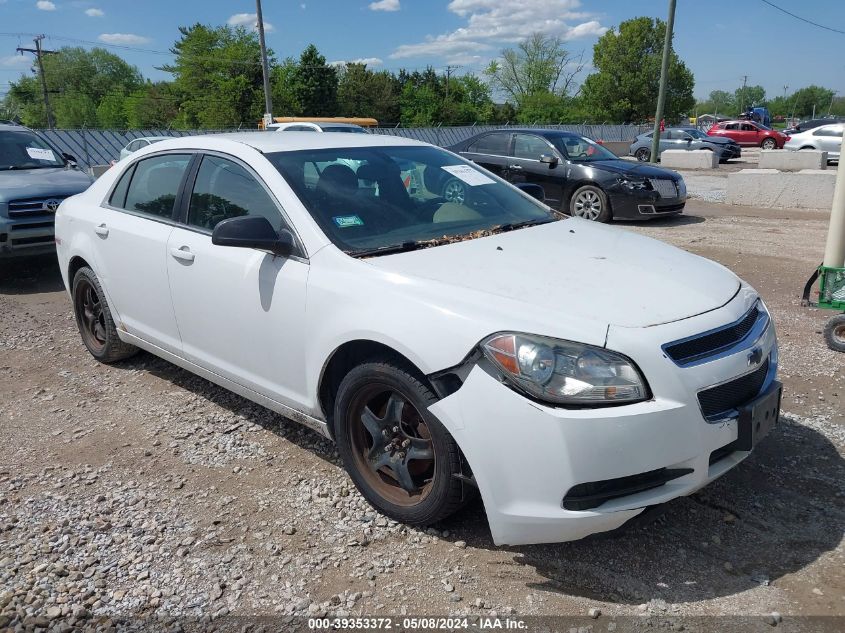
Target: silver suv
34 179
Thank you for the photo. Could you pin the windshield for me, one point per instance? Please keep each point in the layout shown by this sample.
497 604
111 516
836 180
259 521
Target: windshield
353 130
25 150
581 150
372 198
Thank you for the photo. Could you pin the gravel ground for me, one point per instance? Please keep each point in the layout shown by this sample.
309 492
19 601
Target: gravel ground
139 491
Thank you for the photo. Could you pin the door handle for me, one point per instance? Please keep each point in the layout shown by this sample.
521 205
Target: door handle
102 230
184 254
515 167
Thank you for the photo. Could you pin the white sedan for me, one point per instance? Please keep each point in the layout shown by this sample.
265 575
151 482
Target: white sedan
571 373
826 138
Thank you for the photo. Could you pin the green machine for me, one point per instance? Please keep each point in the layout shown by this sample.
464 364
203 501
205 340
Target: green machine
832 297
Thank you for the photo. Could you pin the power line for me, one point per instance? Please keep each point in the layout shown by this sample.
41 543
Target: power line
798 17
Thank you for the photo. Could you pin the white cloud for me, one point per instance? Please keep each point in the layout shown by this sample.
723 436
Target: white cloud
45 5
368 61
123 38
94 13
249 20
493 24
385 5
16 61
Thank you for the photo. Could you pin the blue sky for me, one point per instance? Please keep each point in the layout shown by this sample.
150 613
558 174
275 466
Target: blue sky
720 40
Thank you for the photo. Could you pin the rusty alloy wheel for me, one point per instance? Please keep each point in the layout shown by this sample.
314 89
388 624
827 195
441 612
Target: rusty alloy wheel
391 445
90 315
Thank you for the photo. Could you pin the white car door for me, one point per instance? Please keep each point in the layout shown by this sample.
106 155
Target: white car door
132 229
240 311
829 138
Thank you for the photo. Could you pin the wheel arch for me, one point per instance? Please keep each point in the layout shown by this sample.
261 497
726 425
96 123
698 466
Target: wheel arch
76 262
349 355
581 182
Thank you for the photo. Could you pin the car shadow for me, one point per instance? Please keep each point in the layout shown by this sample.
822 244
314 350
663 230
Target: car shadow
668 221
774 514
30 275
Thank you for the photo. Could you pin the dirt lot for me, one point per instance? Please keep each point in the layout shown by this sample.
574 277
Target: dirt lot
139 489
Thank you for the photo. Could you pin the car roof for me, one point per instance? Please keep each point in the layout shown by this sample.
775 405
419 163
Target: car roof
14 127
269 141
152 138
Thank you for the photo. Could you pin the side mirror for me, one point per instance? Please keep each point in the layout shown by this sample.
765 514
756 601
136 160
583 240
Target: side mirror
70 158
252 231
535 191
549 160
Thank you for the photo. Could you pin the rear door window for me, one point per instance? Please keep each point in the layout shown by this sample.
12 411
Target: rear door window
494 144
155 184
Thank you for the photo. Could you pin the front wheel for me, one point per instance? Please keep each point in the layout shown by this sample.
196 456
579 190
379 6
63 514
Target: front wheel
590 202
769 143
834 333
94 320
455 191
642 155
400 457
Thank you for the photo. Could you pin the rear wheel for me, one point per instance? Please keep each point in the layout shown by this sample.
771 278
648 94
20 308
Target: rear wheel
769 143
94 320
590 202
642 155
399 456
834 333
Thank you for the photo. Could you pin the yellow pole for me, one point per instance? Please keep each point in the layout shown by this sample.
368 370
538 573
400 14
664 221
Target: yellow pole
834 252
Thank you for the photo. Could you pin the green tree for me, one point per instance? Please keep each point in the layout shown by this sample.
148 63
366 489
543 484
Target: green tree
539 64
543 107
79 81
628 63
812 99
749 96
217 72
315 84
364 93
155 105
282 88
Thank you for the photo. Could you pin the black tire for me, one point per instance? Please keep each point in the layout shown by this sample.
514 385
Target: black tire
439 496
834 333
455 190
94 320
590 202
769 143
643 155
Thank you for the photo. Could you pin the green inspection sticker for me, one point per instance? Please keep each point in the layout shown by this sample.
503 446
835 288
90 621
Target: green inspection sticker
344 221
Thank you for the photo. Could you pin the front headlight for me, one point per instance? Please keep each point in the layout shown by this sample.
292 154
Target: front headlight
564 372
632 183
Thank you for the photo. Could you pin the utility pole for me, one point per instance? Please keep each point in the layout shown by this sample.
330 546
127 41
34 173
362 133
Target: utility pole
265 69
39 52
785 88
664 74
449 70
742 98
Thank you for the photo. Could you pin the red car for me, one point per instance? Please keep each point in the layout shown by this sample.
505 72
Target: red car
749 134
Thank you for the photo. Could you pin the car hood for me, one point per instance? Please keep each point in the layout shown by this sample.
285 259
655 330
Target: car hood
575 269
628 168
32 183
718 140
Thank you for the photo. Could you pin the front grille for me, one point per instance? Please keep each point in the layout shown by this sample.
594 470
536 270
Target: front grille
711 343
729 396
593 494
31 206
666 188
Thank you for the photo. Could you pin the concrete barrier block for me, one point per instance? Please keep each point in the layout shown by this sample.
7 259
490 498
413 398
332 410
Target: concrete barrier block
689 159
789 160
805 189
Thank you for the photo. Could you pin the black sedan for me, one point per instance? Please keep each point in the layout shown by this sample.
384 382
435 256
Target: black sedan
578 176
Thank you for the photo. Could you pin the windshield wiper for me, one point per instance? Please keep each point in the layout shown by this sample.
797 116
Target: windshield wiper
387 250
510 226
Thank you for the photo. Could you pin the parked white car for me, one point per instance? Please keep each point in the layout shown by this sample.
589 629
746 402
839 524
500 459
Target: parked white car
827 138
319 126
572 373
140 143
